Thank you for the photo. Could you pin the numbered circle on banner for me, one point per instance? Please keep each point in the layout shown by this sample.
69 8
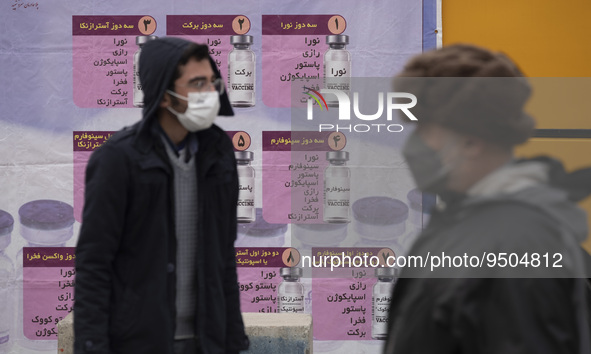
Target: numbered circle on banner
337 24
241 141
241 24
291 257
384 254
147 25
337 141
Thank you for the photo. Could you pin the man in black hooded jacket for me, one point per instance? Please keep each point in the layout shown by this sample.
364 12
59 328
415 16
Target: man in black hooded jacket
155 261
501 269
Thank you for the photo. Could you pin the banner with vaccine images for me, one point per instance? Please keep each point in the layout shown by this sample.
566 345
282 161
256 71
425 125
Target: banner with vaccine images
306 188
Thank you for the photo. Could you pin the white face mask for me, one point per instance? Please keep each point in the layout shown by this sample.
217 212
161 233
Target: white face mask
202 109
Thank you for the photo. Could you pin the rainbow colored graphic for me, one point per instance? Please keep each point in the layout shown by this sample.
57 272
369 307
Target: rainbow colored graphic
316 99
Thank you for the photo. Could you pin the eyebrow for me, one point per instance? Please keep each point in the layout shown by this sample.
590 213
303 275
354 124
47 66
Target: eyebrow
201 78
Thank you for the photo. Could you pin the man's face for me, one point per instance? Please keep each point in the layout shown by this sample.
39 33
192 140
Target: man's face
435 136
440 164
445 142
196 76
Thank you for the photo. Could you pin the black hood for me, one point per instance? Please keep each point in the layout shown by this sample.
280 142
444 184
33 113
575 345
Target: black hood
158 62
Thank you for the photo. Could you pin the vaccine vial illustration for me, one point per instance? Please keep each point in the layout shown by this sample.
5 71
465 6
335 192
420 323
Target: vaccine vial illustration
43 223
46 223
417 219
290 292
138 94
419 212
380 222
337 67
6 281
382 294
415 201
241 72
337 187
246 209
260 233
319 235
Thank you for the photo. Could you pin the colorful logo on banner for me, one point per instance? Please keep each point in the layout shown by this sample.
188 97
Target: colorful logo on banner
343 103
316 99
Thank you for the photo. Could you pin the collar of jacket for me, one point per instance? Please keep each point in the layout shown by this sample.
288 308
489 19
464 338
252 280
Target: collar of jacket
212 147
147 135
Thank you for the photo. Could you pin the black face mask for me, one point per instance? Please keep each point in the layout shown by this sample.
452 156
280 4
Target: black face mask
428 170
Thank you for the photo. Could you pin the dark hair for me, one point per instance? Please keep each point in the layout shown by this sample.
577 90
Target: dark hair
194 51
461 60
470 90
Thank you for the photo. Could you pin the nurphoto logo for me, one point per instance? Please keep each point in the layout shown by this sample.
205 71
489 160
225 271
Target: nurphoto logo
344 107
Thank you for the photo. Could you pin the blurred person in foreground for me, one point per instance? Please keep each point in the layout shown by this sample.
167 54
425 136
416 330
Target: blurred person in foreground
155 261
495 213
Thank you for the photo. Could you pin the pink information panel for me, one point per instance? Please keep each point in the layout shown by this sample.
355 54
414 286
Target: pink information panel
85 142
103 52
48 289
343 296
293 174
293 49
259 277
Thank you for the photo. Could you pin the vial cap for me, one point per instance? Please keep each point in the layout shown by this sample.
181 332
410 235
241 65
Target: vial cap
337 39
385 272
380 210
243 39
328 227
141 40
415 199
6 223
337 156
244 155
320 235
290 272
46 214
260 227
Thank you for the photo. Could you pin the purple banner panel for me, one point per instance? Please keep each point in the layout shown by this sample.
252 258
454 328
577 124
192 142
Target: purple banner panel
316 141
49 257
48 290
277 140
336 262
199 25
344 308
303 141
260 256
112 25
343 281
90 140
258 289
302 24
350 252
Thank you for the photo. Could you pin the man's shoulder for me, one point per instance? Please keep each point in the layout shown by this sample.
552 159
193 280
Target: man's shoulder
119 147
487 235
510 227
497 225
220 141
510 216
123 137
505 209
215 134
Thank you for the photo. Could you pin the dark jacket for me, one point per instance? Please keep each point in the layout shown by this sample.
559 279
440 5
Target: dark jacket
126 253
533 308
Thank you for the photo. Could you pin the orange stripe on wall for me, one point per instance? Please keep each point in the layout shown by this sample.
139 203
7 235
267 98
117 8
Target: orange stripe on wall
547 38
